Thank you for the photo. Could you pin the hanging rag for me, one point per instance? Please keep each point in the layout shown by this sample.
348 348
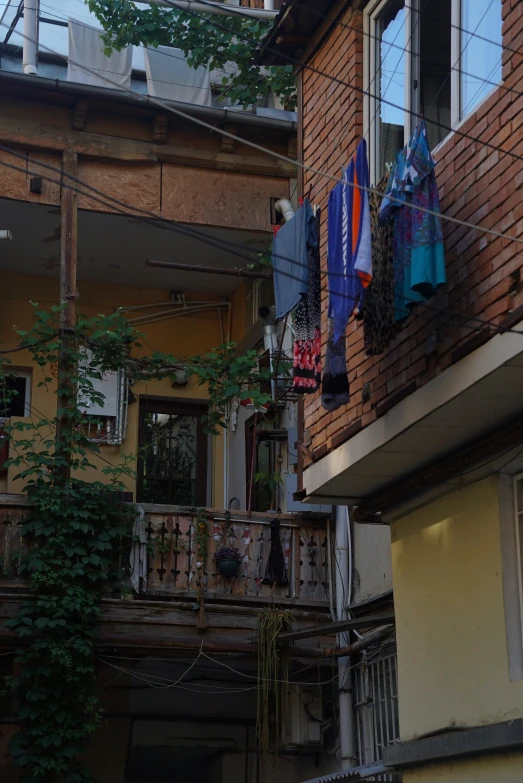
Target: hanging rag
307 328
349 255
289 259
88 64
418 255
138 555
335 384
276 570
377 311
171 78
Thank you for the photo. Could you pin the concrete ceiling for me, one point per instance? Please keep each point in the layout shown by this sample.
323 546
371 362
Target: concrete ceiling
113 249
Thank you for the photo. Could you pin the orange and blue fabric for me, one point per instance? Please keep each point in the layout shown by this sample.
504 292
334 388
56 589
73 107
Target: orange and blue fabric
349 249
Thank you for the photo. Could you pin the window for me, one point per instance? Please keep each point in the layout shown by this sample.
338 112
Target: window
376 708
480 42
173 453
438 58
18 394
263 468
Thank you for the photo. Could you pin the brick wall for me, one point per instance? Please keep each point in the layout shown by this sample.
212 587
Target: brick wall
476 184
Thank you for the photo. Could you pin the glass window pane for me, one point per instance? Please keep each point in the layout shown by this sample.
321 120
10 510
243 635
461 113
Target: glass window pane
434 68
390 76
480 50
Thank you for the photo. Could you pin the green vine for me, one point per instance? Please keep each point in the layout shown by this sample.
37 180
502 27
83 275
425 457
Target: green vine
77 533
273 676
206 40
200 541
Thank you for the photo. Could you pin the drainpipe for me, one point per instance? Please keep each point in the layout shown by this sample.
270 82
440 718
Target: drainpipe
30 48
343 588
268 5
284 206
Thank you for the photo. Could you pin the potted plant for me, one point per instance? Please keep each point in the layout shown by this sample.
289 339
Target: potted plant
228 560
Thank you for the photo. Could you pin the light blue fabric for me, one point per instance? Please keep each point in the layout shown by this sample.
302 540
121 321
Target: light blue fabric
289 259
418 256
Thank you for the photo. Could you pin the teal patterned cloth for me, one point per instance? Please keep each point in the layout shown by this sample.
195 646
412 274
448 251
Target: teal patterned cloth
418 256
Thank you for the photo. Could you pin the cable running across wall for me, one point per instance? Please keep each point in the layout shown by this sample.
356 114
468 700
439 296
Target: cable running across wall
201 237
359 90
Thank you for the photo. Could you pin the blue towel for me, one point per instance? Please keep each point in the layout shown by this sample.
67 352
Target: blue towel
349 253
289 259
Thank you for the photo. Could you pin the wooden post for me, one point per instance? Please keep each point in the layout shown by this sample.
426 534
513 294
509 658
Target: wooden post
68 296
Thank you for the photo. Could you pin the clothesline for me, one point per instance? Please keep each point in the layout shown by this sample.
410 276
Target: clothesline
382 260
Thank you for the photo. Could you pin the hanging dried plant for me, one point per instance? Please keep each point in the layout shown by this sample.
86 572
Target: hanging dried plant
273 676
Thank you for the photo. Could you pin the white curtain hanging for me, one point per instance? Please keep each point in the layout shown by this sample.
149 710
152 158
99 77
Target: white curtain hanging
171 78
86 51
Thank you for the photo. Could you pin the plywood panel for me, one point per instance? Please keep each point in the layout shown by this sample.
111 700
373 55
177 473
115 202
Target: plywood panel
135 186
219 198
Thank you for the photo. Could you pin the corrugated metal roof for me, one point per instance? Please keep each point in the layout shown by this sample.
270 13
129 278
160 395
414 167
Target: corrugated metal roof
355 773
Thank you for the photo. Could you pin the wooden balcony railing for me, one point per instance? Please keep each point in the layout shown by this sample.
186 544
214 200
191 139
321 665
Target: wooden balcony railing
171 555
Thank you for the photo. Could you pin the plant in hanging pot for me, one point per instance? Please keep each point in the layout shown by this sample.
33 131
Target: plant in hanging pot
228 559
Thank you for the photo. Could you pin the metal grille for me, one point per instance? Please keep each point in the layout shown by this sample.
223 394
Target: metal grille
376 705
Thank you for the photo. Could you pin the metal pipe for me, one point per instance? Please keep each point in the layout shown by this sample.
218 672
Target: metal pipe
219 9
5 234
164 316
346 713
211 270
361 644
268 5
129 308
30 46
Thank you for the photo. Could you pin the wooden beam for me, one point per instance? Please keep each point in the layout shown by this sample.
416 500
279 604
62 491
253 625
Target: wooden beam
79 115
352 624
33 135
68 296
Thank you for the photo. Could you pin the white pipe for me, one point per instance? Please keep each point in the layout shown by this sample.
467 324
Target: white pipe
284 206
348 753
164 315
128 308
268 5
220 9
30 47
5 234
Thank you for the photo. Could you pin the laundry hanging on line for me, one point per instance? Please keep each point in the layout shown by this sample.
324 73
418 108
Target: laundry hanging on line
377 311
307 326
290 259
349 253
418 255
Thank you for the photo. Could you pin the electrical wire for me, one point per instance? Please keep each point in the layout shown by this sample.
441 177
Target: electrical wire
195 234
353 87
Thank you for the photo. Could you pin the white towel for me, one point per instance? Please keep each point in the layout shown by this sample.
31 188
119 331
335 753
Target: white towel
138 556
171 78
86 48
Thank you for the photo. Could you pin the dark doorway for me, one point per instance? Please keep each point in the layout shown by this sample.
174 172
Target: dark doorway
172 462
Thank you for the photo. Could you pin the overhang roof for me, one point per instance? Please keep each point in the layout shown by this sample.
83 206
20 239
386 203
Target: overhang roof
470 400
294 26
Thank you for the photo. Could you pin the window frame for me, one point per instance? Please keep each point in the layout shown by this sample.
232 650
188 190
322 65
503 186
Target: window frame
27 374
411 97
173 406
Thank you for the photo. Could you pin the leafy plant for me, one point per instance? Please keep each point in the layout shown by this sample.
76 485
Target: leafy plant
226 43
273 676
77 533
227 553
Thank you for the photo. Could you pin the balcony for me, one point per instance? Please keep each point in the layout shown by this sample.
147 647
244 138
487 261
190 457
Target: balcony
162 616
171 554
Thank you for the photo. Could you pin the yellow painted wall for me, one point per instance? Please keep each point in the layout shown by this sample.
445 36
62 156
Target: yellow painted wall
452 654
492 769
181 337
